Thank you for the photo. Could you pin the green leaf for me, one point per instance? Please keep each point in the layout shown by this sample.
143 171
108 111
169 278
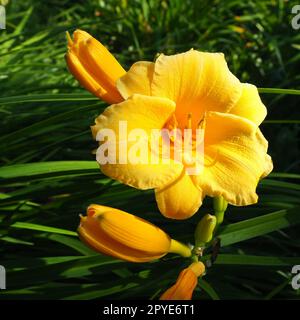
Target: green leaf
38 227
284 175
281 121
280 184
208 289
104 290
279 91
17 241
251 260
72 267
48 169
48 98
9 141
277 289
255 227
72 243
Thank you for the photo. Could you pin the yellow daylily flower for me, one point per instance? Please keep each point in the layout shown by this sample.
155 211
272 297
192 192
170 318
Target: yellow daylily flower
190 90
122 235
94 66
185 284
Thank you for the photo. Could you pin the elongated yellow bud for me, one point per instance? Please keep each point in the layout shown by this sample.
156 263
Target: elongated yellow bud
94 66
185 284
205 229
122 235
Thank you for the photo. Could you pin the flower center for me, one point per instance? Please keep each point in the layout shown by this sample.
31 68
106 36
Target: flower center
186 144
175 131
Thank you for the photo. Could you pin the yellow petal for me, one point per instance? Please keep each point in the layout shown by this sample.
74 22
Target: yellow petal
179 200
79 35
94 66
146 113
84 78
137 80
183 288
250 105
198 268
122 235
197 82
235 159
185 284
268 164
134 232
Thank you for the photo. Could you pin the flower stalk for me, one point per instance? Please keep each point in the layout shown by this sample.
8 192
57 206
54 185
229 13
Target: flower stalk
180 248
220 206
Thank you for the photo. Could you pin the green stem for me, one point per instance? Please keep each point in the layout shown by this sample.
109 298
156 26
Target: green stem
220 206
194 258
220 216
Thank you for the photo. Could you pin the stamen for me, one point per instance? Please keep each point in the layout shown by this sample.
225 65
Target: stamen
174 121
201 123
189 121
173 128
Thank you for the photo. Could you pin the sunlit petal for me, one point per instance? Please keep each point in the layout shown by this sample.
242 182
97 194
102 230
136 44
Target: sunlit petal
235 159
185 284
250 105
137 80
197 82
180 200
138 112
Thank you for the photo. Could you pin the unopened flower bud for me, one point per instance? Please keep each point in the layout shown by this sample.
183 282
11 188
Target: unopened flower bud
204 230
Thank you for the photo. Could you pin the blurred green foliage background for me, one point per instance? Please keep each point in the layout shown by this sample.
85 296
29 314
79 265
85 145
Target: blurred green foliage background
48 173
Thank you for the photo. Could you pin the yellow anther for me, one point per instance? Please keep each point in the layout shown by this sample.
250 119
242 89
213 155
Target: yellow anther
201 123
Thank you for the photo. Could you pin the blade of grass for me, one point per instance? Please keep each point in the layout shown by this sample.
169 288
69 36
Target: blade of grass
252 260
46 169
38 227
208 289
279 91
48 98
255 227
